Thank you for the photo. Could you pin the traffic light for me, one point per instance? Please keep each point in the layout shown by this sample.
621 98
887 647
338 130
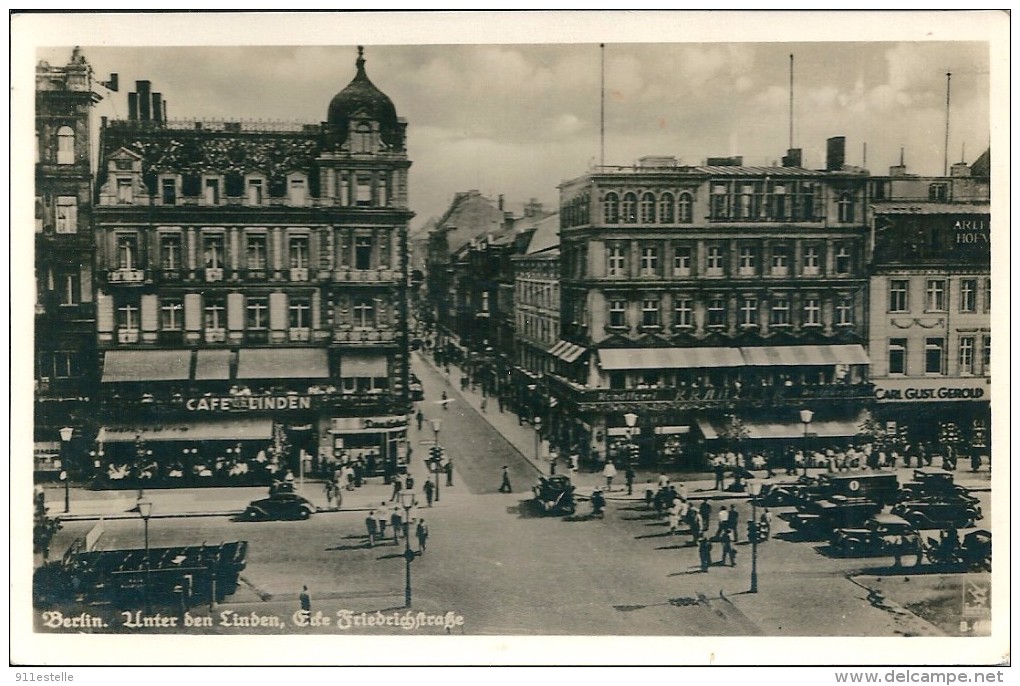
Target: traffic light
435 452
633 453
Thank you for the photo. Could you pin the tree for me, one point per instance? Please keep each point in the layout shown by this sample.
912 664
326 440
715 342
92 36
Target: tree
45 528
871 430
734 432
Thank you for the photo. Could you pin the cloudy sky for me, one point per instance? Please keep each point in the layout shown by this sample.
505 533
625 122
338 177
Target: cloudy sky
517 117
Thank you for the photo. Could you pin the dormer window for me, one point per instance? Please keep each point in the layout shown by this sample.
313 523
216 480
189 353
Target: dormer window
211 191
168 190
125 191
297 190
256 191
361 139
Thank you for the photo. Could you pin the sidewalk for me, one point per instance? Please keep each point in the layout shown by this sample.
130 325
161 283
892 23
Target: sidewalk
699 484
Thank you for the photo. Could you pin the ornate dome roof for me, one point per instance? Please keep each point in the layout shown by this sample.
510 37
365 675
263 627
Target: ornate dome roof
361 95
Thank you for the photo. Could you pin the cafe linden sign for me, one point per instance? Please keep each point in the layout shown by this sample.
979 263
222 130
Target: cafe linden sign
249 403
913 390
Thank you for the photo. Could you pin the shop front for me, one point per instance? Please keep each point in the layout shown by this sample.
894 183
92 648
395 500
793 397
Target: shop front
379 443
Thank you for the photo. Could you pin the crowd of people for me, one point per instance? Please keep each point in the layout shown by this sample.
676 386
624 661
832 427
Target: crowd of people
226 467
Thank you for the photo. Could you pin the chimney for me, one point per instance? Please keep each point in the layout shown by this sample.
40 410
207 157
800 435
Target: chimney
835 153
157 107
898 170
960 169
793 158
133 106
144 100
500 205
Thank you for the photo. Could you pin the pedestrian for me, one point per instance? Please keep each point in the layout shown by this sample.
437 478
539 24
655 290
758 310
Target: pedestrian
609 471
663 480
381 519
705 552
724 517
484 403
448 468
422 532
504 486
445 401
397 486
409 482
628 476
338 494
733 523
681 489
430 491
975 461
372 526
649 493
397 522
673 518
720 470
574 460
729 552
705 510
329 494
697 526
765 524
420 418
306 602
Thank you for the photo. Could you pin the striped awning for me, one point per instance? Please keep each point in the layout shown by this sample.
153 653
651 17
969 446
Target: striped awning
566 351
146 365
282 363
669 358
804 355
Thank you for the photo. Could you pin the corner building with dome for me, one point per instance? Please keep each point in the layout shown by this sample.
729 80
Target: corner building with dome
251 289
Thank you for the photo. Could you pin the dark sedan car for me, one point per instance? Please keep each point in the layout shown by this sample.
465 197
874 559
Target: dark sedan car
280 506
881 535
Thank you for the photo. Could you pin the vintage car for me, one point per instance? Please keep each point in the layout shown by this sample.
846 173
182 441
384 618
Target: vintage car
554 495
819 518
881 487
934 485
883 534
786 493
973 552
938 515
415 389
279 506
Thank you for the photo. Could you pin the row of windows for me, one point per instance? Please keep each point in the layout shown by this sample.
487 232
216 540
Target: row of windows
537 327
65 214
749 261
665 208
749 311
65 146
935 357
539 294
256 309
937 296
256 251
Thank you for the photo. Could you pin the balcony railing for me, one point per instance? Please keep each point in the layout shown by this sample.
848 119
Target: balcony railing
215 335
121 275
365 336
213 275
355 275
299 274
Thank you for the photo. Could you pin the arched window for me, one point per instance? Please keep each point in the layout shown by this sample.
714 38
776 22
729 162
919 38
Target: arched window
685 208
647 208
846 208
611 209
65 145
629 208
362 139
666 208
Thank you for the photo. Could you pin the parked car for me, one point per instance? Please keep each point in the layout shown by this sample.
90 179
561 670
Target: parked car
819 518
555 495
280 506
415 389
973 552
938 515
934 485
787 493
883 534
882 488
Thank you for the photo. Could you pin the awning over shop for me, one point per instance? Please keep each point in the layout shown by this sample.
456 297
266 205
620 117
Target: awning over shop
830 428
804 355
241 429
572 353
707 429
212 364
146 365
672 429
616 431
282 363
558 348
669 358
353 365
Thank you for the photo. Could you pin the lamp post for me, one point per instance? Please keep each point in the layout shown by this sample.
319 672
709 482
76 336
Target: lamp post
145 510
805 417
437 424
754 488
65 439
407 501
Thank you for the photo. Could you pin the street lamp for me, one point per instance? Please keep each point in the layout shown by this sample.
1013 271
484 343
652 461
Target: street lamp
754 488
407 501
65 439
437 424
144 508
805 417
631 419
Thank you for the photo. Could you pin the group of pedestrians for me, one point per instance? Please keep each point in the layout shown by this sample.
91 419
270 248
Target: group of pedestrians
385 515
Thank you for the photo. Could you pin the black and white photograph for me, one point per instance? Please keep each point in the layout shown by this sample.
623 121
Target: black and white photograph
510 337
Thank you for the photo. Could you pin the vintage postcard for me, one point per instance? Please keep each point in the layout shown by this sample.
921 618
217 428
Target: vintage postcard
510 338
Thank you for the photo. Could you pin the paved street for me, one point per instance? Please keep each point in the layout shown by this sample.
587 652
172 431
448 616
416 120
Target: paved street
491 560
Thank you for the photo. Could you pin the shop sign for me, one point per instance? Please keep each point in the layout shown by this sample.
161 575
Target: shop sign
341 424
249 403
914 390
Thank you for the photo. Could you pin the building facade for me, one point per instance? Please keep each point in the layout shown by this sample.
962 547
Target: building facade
701 296
930 320
252 288
65 304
